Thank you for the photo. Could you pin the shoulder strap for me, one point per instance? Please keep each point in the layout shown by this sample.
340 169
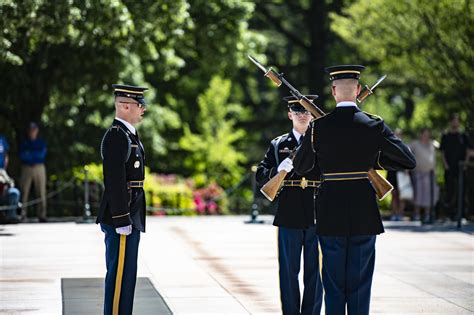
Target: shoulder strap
373 116
129 150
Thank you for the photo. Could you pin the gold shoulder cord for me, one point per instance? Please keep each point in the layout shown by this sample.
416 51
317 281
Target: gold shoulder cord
373 116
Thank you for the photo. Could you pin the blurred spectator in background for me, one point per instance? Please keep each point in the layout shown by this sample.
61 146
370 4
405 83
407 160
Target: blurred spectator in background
426 189
9 195
4 147
455 145
402 189
33 171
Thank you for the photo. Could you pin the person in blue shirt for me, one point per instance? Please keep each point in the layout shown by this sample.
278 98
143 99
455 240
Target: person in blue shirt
33 171
4 147
9 195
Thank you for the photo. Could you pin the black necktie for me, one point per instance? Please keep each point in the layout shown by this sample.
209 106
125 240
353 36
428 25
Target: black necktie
138 139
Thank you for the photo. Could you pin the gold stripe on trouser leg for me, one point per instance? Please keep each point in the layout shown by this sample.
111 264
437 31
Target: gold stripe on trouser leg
320 260
118 279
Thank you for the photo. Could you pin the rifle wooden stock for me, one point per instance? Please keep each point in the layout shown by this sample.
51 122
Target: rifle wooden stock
310 107
381 185
363 94
272 187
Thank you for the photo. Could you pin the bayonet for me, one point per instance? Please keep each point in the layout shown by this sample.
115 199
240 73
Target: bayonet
270 73
369 90
257 63
378 82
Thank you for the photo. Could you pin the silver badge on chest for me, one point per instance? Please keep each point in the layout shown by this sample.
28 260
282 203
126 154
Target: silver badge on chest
136 164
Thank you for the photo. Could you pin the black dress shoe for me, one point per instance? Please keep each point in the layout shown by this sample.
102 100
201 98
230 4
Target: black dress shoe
42 220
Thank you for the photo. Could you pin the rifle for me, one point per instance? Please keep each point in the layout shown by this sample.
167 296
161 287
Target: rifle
272 187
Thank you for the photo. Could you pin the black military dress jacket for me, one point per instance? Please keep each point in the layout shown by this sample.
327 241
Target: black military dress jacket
295 205
349 140
123 161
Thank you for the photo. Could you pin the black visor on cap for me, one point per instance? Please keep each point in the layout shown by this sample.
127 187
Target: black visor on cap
297 108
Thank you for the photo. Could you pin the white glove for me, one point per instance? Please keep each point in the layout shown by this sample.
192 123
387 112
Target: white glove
286 165
124 230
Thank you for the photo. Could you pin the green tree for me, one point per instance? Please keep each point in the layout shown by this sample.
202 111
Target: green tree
424 46
215 41
58 60
48 47
302 42
212 155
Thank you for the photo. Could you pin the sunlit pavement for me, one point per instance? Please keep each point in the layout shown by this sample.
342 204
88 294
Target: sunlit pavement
220 265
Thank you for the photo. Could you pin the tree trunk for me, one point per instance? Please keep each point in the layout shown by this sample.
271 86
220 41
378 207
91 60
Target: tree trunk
318 28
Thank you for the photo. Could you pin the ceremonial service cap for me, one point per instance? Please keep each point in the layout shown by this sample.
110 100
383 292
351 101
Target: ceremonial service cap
344 72
135 92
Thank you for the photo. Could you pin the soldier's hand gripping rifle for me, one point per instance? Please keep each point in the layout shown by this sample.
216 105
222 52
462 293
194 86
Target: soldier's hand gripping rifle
270 189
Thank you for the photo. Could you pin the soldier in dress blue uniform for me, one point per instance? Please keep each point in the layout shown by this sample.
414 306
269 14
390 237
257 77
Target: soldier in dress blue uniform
122 210
347 143
295 217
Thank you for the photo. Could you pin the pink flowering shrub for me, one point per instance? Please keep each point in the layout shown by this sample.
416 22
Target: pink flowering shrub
210 200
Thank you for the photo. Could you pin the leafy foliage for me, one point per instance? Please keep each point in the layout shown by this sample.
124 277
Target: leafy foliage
424 46
212 156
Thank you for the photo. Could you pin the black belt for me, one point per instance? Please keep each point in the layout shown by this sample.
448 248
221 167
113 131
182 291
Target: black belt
135 184
344 176
303 183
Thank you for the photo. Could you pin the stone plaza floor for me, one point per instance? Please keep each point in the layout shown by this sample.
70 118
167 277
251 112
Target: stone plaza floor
220 265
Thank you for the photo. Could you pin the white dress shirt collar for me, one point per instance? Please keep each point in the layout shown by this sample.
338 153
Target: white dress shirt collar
297 135
128 125
346 104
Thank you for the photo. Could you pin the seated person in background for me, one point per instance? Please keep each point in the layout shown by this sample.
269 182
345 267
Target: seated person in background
9 197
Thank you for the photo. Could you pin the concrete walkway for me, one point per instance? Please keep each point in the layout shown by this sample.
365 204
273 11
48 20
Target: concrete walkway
219 265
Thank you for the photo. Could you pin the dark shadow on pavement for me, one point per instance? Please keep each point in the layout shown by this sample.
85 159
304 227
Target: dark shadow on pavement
85 296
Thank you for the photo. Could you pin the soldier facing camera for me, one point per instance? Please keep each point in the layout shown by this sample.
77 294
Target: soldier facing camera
295 216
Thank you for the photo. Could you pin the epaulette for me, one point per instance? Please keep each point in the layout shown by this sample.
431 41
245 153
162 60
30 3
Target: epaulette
373 116
116 129
278 139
